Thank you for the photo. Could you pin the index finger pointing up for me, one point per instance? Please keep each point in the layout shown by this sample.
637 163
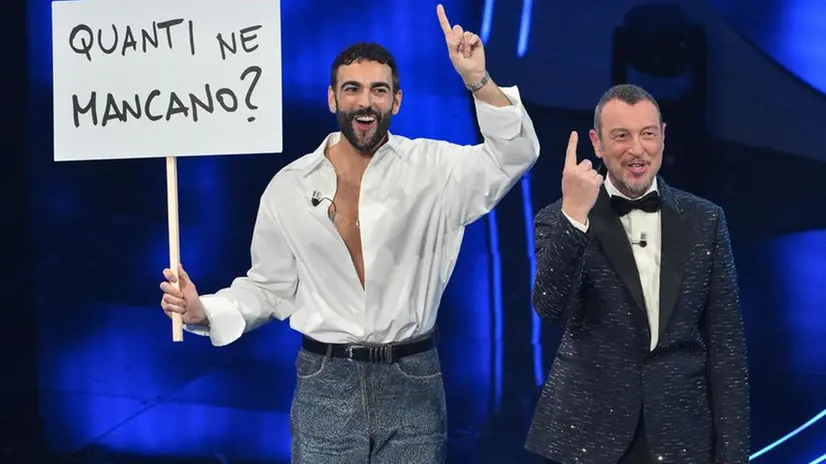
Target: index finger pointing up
570 155
440 12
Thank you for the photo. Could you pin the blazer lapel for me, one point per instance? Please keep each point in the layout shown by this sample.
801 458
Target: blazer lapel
611 235
676 228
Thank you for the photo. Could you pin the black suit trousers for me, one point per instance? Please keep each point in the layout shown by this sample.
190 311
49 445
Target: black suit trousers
638 452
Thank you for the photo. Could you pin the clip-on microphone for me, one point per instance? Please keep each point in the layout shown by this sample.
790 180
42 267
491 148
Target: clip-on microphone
642 241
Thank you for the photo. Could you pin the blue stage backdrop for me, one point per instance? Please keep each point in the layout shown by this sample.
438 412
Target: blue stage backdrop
789 31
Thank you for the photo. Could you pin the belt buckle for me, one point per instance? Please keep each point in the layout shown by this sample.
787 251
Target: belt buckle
350 349
382 354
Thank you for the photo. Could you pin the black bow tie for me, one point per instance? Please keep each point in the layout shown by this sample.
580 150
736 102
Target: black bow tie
649 203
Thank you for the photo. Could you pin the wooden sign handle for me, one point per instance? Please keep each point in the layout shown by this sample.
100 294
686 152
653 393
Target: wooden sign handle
174 237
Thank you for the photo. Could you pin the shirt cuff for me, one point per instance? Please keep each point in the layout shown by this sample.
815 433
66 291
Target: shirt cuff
582 227
226 324
501 122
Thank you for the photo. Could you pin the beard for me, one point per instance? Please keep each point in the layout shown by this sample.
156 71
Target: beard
633 185
365 141
635 188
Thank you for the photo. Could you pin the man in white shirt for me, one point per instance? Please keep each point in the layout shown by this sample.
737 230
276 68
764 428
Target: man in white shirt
355 243
652 365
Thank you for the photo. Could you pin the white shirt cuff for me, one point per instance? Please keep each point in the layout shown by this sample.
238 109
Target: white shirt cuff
577 224
226 324
501 122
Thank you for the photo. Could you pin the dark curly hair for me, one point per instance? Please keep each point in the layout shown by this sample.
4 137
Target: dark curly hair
365 51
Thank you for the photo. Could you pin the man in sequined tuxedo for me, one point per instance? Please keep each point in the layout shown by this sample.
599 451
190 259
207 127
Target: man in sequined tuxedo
652 364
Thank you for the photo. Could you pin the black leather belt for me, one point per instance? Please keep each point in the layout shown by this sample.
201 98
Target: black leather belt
386 353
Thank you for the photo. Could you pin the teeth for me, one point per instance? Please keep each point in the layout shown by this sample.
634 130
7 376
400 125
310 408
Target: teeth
366 119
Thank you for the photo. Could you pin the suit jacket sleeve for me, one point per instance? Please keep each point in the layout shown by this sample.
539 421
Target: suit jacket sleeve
727 364
560 251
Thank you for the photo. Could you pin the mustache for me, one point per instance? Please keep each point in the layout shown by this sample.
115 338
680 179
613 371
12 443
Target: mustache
637 159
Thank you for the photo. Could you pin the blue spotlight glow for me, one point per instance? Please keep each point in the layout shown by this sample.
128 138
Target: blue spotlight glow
819 460
536 322
496 281
487 20
789 435
525 28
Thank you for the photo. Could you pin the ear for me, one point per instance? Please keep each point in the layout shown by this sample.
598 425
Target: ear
397 102
331 100
592 134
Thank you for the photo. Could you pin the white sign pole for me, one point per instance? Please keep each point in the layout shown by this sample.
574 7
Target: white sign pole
165 79
174 237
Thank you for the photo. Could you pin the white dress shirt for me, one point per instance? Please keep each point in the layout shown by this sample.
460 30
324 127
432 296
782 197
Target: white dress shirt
647 258
417 197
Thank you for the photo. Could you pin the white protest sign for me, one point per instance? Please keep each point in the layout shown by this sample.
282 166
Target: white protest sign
166 78
160 78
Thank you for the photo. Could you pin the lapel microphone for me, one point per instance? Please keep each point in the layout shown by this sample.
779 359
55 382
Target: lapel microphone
316 199
642 242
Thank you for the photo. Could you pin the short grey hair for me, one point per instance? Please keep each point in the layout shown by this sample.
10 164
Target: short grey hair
626 93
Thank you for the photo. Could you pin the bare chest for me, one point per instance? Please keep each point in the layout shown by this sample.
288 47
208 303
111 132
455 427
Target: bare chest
344 211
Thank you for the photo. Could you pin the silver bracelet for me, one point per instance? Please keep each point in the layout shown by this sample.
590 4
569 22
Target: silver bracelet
478 85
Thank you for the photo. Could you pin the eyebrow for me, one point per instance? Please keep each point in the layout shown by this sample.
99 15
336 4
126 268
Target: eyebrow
622 129
374 85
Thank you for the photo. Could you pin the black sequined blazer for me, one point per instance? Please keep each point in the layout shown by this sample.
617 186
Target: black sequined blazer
693 387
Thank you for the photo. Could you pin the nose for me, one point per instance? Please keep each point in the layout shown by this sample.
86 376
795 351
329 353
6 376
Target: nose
636 147
364 100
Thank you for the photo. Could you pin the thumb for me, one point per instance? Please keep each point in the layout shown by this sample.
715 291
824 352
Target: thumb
183 277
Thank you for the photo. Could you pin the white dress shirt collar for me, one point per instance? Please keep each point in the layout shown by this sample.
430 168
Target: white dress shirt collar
309 163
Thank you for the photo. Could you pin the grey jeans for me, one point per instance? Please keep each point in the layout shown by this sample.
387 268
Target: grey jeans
347 412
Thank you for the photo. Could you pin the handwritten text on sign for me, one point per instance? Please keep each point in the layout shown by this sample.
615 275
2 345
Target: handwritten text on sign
154 78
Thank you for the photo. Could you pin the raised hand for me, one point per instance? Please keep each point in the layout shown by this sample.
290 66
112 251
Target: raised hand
580 184
465 49
184 301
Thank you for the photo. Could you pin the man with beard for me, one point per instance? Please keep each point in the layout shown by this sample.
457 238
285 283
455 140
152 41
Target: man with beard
355 243
652 364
